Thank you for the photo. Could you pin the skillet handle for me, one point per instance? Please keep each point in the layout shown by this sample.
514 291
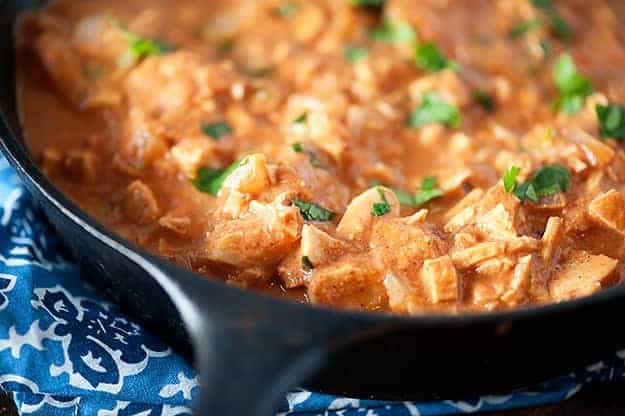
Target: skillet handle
251 349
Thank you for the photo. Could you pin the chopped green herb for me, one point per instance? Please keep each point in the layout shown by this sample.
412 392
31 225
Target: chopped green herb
393 32
573 87
216 129
301 118
509 178
434 110
484 100
354 54
143 47
381 208
313 212
286 9
367 3
547 181
307 264
428 57
611 121
210 180
404 197
297 147
546 49
559 26
521 28
427 192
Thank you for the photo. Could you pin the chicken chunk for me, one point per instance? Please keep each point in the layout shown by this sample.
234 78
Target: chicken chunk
553 238
359 218
497 223
82 165
440 279
581 274
353 284
608 209
251 177
192 154
139 203
469 257
319 247
261 236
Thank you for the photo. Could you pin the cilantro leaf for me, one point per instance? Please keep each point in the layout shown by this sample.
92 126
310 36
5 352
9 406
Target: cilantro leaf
286 9
484 100
428 57
559 26
367 3
301 118
313 212
404 197
141 47
547 181
509 178
217 129
573 87
354 54
209 180
611 121
427 192
434 110
393 32
524 27
307 264
381 208
297 147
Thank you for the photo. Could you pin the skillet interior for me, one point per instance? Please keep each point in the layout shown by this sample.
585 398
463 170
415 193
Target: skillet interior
251 337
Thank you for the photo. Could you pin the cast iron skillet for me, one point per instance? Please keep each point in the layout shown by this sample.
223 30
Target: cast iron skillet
250 348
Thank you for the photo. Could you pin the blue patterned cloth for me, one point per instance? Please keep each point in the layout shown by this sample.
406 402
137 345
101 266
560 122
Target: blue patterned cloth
65 351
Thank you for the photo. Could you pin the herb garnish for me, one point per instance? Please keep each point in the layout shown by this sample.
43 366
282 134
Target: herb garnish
301 118
367 3
434 110
354 54
313 212
307 264
484 100
559 26
524 27
393 32
381 208
427 192
210 180
509 178
141 47
429 58
611 121
547 181
297 147
573 87
286 9
216 129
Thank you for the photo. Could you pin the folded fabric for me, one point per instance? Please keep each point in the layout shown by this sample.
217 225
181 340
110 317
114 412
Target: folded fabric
64 350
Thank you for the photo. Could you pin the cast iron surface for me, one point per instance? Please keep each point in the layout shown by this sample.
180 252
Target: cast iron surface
250 348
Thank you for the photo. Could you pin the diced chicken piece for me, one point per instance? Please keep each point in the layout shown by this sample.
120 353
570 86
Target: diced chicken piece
51 161
581 274
352 284
553 239
452 184
460 220
469 257
307 22
358 218
402 248
440 279
608 209
82 165
192 154
176 222
63 67
597 153
260 237
402 296
522 245
139 203
497 223
516 293
417 218
470 199
251 177
320 247
490 282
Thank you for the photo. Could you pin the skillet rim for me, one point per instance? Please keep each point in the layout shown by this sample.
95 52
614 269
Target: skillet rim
18 156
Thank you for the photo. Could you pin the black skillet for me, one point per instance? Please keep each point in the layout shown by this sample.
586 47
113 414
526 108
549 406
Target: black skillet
250 348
